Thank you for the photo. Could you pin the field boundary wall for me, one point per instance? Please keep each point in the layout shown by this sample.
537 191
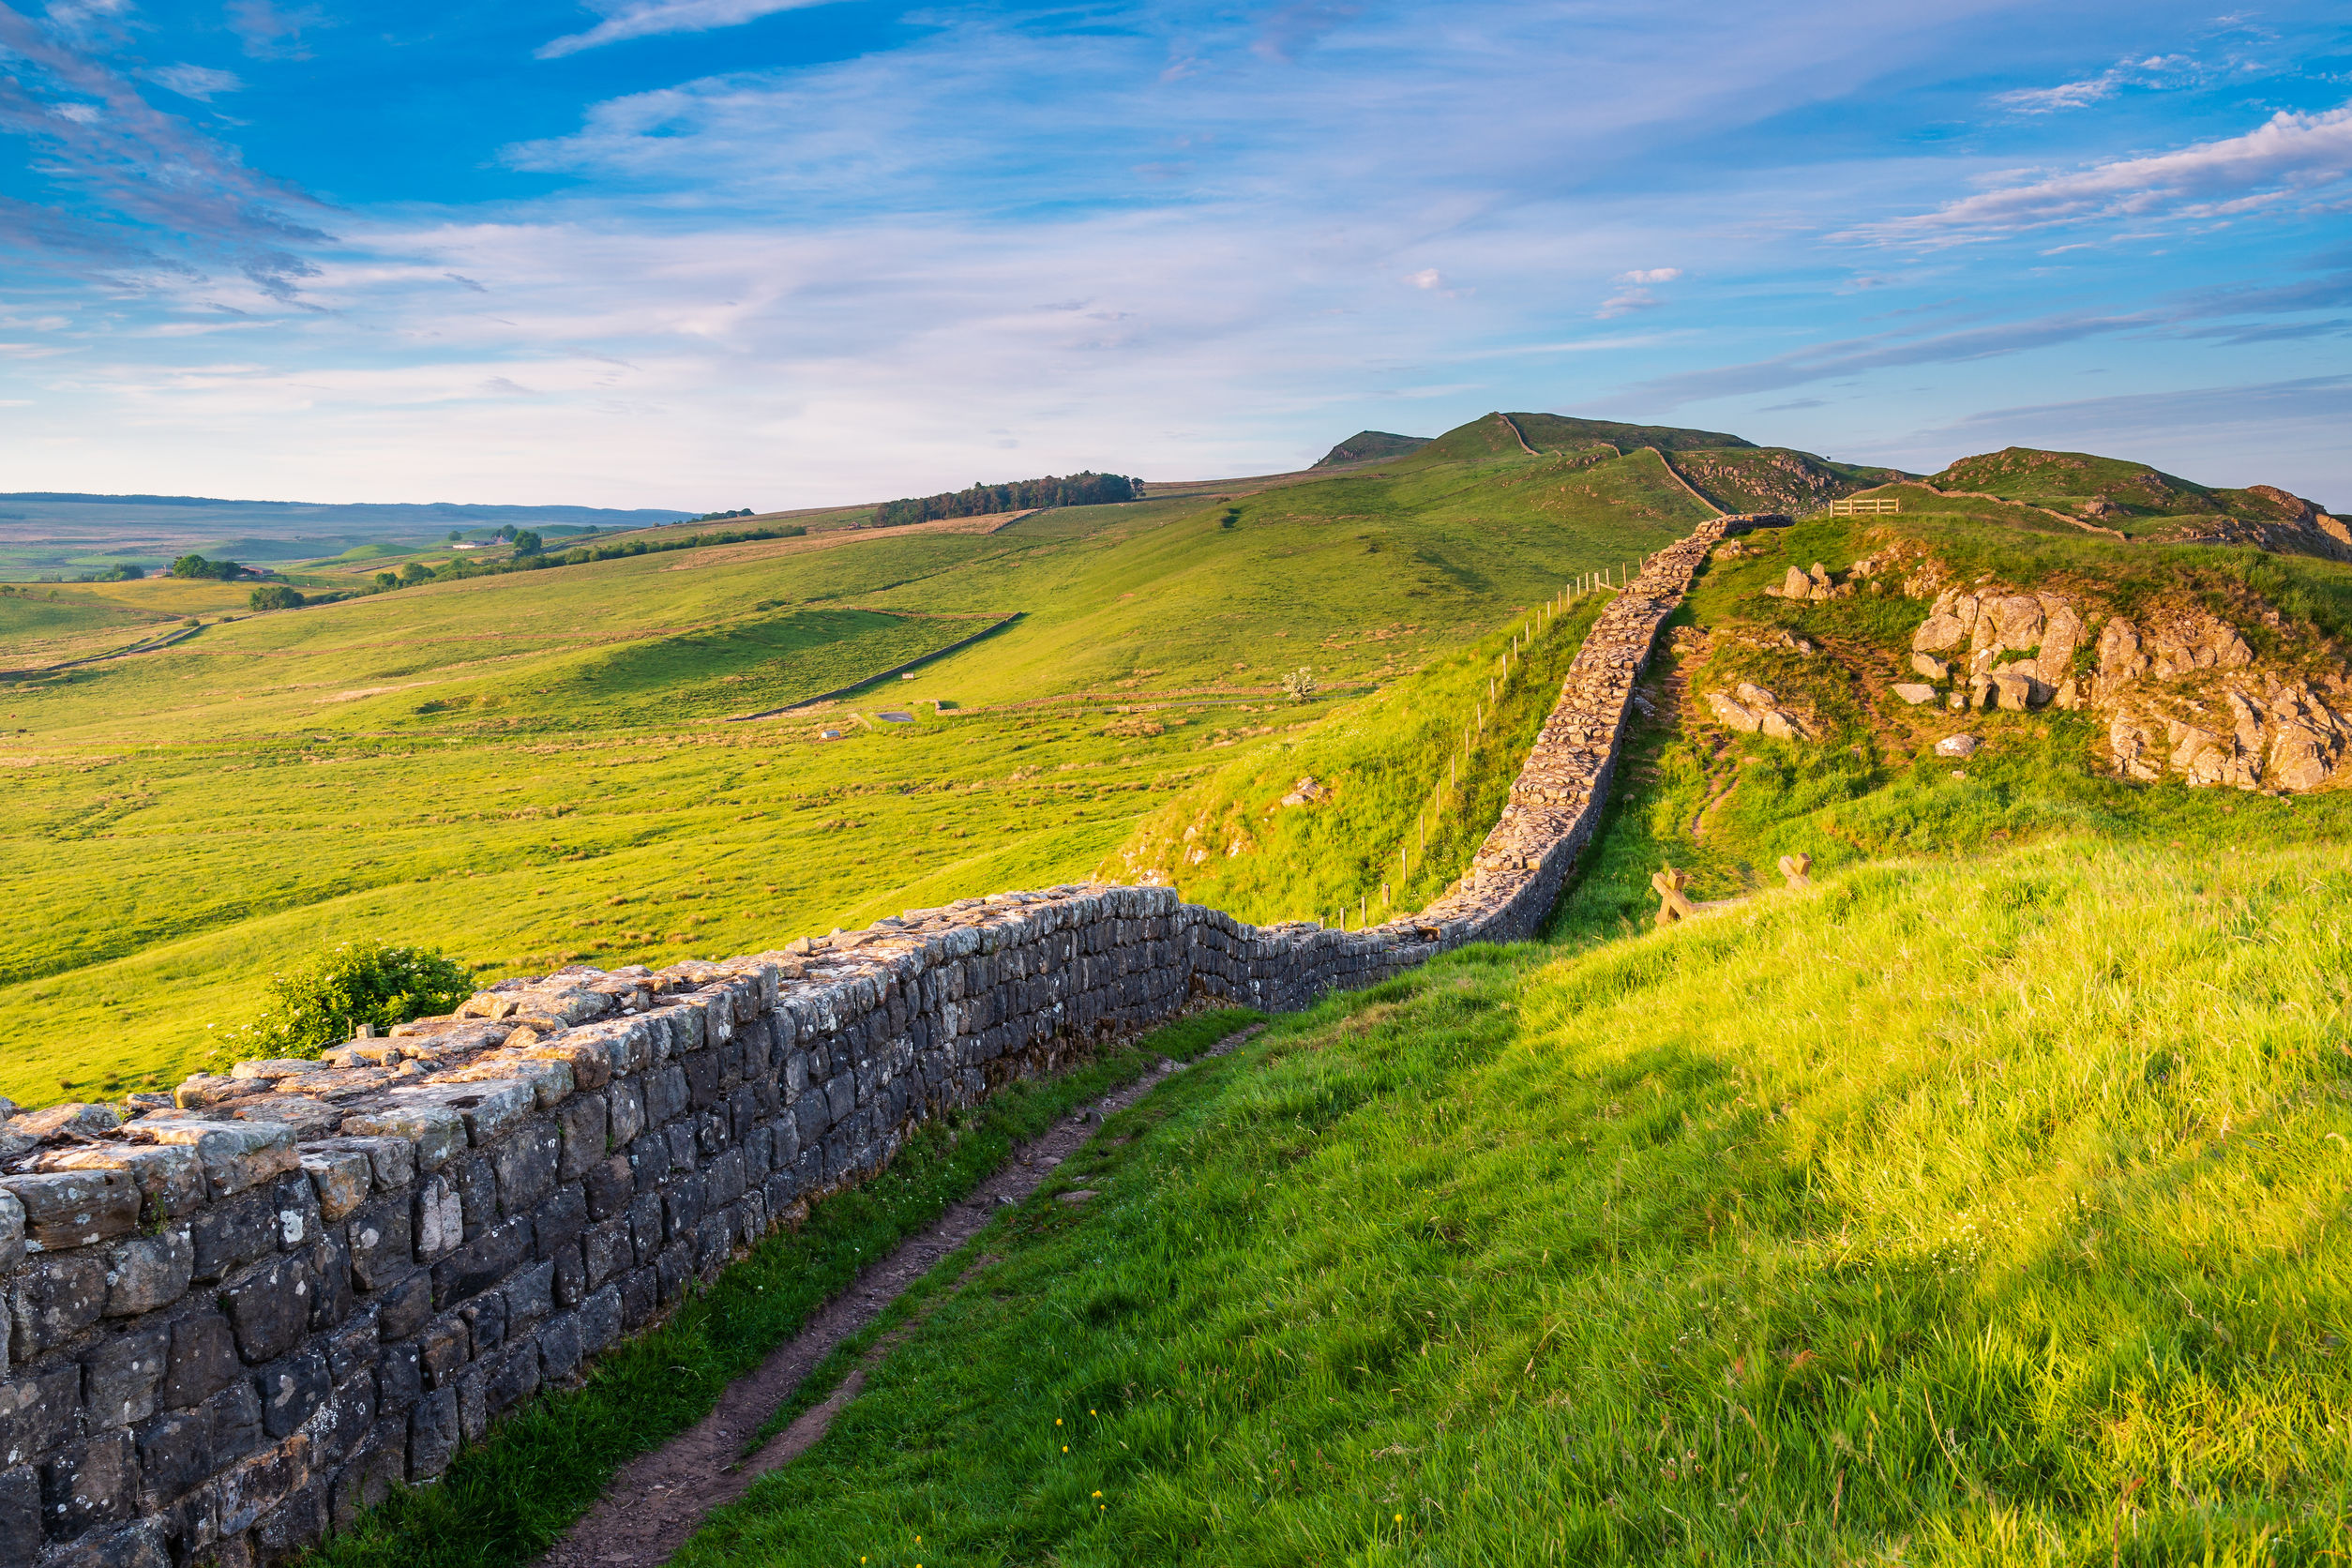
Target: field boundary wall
236 1321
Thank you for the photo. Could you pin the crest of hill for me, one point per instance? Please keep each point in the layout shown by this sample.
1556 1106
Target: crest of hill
2089 485
1500 434
1368 445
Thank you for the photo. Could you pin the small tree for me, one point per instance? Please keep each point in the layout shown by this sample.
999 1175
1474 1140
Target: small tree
191 567
324 1003
527 542
387 580
455 534
1298 684
274 595
417 571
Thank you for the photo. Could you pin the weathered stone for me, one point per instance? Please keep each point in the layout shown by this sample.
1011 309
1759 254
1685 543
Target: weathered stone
343 1178
148 1271
268 1308
91 1484
292 1389
1914 694
60 1122
382 1250
482 1262
121 1376
20 1514
432 1131
1929 667
133 1545
38 1410
75 1208
57 1297
432 1433
235 1156
171 1183
203 1361
11 1236
1957 745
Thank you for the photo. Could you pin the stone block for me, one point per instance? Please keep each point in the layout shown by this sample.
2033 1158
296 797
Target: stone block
250 1488
444 1348
432 1131
581 1122
608 1185
174 1457
230 1235
440 1218
529 1297
132 1546
526 1161
484 1321
401 1312
148 1271
400 1378
11 1236
39 1410
294 1525
483 1261
599 1318
292 1389
606 1250
170 1179
571 1275
57 1297
382 1242
341 1178
296 1210
92 1483
391 1161
559 1348
20 1514
373 1470
624 1113
513 1377
236 1156
121 1376
328 1263
340 1424
268 1308
67 1209
234 1417
353 1349
557 1222
202 1361
432 1433
476 1177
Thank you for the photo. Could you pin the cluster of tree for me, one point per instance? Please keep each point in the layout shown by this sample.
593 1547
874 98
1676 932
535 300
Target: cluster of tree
119 572
276 595
722 517
530 556
197 567
1089 488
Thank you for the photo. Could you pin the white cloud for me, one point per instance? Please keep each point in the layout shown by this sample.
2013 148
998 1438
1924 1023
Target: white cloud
645 19
1427 277
1637 295
1652 275
2293 160
195 82
2156 70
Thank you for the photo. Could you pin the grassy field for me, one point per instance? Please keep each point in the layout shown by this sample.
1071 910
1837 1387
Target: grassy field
1885 1221
526 769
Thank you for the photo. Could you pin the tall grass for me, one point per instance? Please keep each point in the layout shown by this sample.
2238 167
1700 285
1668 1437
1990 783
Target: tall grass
1957 1213
1413 777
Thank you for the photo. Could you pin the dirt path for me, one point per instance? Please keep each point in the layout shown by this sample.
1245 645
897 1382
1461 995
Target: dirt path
660 1499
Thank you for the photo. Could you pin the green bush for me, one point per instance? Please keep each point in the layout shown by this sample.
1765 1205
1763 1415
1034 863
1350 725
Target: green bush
324 1005
274 595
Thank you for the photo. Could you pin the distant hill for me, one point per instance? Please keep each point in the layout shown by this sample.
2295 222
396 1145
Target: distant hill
2096 487
1367 445
67 534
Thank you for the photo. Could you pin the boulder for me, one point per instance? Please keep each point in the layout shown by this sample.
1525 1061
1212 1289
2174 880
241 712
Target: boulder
1957 745
1930 666
1913 693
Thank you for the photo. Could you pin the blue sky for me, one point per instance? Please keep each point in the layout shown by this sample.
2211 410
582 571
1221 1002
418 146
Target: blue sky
712 253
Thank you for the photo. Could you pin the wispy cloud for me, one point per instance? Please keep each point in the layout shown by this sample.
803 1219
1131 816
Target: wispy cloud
1637 295
150 190
2156 70
272 33
202 83
644 19
2292 161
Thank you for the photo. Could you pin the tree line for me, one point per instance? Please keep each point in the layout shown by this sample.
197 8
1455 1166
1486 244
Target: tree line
1088 489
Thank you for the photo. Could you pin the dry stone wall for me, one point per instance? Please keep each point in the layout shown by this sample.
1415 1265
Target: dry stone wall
235 1320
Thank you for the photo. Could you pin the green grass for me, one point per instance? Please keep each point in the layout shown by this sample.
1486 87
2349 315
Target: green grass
531 769
505 1501
1412 782
1959 1213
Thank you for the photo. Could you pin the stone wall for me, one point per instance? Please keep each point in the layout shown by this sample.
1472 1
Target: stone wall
236 1320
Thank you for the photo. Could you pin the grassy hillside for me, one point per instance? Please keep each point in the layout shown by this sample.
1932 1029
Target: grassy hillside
1878 1222
486 765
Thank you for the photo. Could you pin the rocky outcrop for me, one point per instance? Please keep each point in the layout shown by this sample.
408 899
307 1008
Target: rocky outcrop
1751 710
2180 690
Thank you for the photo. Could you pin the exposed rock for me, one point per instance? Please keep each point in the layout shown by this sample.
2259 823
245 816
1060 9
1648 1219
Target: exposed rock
1304 792
1957 745
1929 666
1915 694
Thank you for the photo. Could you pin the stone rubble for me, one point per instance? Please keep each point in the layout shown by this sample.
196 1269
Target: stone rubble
242 1317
